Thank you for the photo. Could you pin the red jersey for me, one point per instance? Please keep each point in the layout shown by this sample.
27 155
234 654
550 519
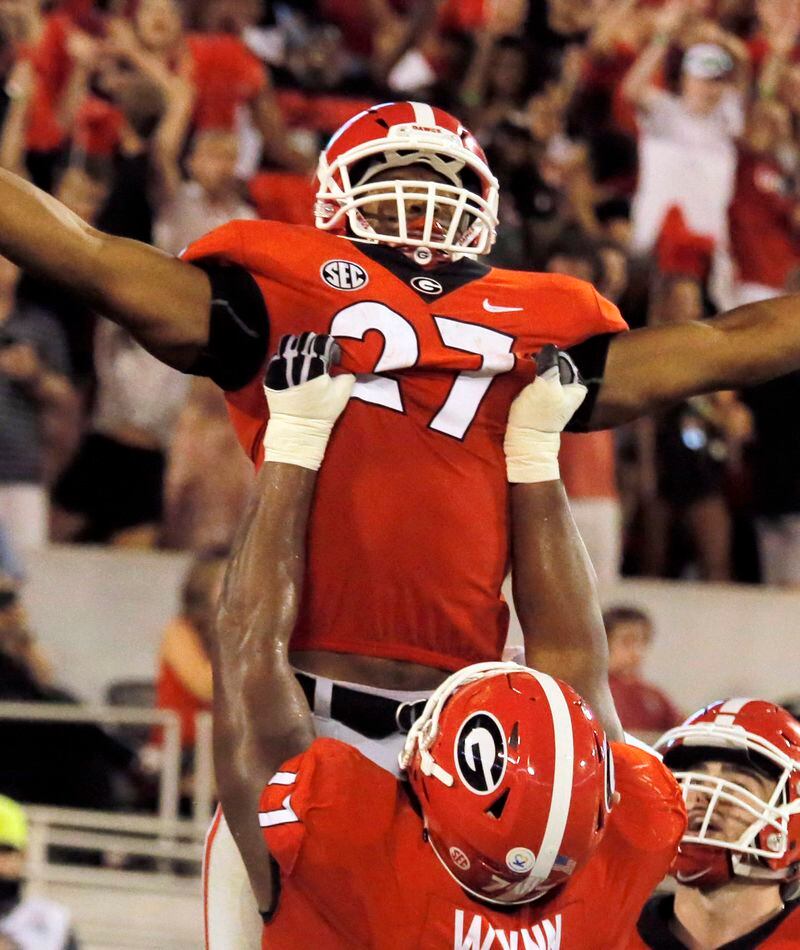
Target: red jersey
225 75
356 872
409 529
781 932
763 244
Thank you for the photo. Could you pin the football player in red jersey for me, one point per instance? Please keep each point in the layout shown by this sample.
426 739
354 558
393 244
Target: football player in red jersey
440 342
520 824
738 763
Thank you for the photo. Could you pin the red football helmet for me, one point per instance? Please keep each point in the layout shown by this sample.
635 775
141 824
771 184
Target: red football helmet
515 780
459 217
754 733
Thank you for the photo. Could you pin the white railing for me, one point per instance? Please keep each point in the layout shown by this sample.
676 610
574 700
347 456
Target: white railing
164 836
170 771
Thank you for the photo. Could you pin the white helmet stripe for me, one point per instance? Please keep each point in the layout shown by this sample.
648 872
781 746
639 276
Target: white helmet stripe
562 776
728 710
423 114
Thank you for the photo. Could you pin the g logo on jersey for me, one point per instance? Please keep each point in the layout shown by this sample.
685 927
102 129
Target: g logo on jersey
480 753
344 275
426 285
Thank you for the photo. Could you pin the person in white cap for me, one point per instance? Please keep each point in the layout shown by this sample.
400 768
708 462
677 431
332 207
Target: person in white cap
687 157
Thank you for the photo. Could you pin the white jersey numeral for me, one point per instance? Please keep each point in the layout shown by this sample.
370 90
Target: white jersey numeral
401 350
278 816
285 814
461 406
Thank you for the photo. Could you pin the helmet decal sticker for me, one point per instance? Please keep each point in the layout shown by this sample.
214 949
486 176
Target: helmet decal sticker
480 753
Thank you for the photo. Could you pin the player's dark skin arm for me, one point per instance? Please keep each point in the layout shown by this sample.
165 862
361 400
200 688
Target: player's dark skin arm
161 300
650 369
261 717
556 597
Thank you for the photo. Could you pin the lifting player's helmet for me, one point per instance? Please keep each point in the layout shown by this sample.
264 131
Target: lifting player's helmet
760 735
515 780
394 135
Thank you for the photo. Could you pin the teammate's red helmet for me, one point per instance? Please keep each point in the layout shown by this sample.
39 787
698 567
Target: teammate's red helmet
754 733
459 216
515 779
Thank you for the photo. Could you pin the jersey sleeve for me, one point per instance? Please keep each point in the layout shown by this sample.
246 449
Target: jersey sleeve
651 815
238 336
570 311
586 324
645 827
325 808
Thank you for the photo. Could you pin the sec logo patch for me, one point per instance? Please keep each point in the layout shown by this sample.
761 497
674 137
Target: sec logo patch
344 275
459 859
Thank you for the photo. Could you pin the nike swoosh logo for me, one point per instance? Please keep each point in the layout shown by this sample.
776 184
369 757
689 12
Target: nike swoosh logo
493 309
686 878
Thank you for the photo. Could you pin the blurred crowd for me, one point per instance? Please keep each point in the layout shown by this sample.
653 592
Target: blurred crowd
647 146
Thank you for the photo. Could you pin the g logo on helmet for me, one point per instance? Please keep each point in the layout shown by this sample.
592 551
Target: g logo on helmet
480 753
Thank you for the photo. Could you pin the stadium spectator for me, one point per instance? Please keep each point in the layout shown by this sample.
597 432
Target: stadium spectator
184 680
225 74
775 466
694 448
184 672
765 212
211 197
643 708
34 383
112 491
686 149
209 479
26 923
56 763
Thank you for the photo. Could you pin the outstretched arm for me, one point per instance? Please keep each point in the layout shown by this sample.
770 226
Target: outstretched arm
162 301
647 370
554 584
261 717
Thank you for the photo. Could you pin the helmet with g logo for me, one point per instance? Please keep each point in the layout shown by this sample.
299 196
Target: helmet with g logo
515 779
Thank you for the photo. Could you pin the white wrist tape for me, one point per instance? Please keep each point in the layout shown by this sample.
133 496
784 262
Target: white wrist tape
531 456
296 441
535 422
302 418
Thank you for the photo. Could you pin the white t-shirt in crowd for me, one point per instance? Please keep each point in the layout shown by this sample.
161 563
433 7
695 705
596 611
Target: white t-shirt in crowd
190 215
134 389
685 160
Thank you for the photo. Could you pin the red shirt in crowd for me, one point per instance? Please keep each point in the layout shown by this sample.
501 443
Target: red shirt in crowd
226 75
173 694
643 707
763 245
588 467
52 66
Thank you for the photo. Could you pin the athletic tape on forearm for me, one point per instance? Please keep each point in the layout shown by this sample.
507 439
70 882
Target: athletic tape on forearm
531 456
296 441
